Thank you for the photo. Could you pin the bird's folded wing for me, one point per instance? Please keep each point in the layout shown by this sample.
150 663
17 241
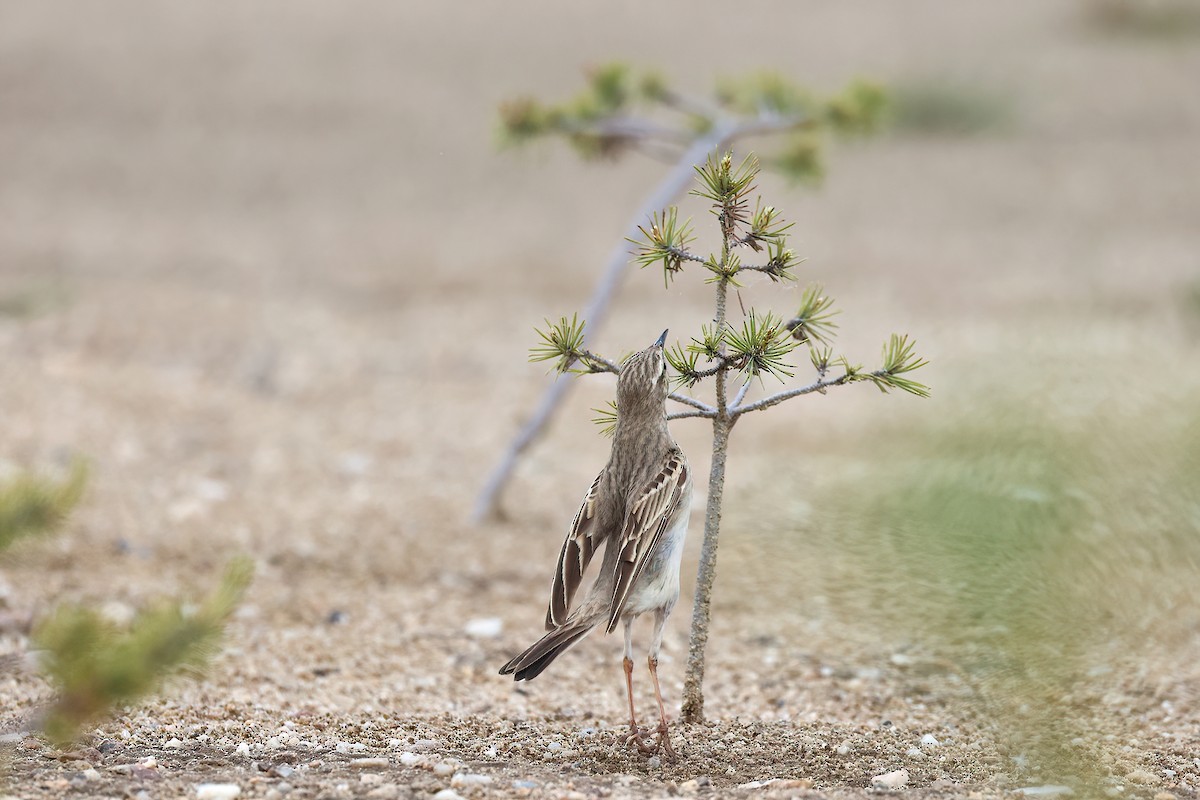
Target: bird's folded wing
576 552
649 515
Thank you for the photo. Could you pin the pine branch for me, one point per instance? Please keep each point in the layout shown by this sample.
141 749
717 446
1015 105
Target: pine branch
31 506
704 408
95 666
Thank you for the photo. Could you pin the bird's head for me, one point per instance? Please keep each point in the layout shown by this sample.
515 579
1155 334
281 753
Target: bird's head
643 382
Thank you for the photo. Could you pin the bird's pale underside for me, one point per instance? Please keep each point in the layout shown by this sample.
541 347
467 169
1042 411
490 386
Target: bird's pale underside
638 509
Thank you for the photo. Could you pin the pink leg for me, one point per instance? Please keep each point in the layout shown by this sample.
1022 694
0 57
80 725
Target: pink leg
635 735
664 737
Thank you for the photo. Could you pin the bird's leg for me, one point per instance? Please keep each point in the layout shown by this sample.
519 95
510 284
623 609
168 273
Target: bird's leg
635 733
664 736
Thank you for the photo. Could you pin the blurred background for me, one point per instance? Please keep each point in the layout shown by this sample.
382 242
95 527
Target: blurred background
265 266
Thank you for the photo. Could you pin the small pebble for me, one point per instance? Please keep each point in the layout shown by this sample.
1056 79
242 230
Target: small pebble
914 752
654 762
378 762
284 771
484 627
172 743
463 780
1143 777
929 740
410 759
447 794
243 749
443 769
843 749
896 779
526 785
1045 791
217 791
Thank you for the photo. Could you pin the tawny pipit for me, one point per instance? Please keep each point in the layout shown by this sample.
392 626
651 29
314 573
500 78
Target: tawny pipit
638 506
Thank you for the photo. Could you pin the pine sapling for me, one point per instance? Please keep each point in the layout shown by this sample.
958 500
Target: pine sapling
734 356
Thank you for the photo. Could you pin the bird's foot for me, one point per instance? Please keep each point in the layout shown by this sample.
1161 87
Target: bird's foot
664 743
635 739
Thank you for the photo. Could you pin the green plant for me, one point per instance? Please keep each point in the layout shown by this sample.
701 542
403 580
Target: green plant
93 664
760 346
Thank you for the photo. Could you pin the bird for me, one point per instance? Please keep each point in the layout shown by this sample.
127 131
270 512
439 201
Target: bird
638 508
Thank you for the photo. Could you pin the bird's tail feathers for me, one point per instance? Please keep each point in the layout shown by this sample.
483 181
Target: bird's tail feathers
538 656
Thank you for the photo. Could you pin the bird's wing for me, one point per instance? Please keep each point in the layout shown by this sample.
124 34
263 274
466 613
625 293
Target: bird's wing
647 518
573 560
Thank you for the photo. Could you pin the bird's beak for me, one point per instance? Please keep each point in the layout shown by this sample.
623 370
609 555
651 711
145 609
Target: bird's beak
662 340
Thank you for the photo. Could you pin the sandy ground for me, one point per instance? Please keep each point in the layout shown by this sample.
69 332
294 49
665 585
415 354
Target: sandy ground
262 265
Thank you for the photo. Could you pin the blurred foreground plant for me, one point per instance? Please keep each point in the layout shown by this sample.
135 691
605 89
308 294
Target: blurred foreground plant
619 112
730 353
94 665
1051 567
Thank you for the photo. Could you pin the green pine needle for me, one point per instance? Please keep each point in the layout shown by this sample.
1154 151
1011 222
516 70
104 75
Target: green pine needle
562 341
762 346
606 418
31 506
814 319
96 666
899 357
666 241
685 363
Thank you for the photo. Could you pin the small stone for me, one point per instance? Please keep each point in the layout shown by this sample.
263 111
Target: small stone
484 627
443 769
371 779
896 779
284 771
523 788
173 743
411 759
217 791
1143 777
394 743
1049 790
243 749
690 786
447 794
843 749
464 780
929 740
654 762
385 791
378 762
1165 796
914 752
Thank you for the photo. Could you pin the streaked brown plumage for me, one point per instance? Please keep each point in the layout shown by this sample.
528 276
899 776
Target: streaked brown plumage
638 506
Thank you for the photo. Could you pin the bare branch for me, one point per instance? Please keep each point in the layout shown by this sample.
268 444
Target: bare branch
693 402
600 363
686 414
627 128
741 395
778 398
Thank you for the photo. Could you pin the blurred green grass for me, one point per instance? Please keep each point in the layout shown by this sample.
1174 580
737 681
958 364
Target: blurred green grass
1046 560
